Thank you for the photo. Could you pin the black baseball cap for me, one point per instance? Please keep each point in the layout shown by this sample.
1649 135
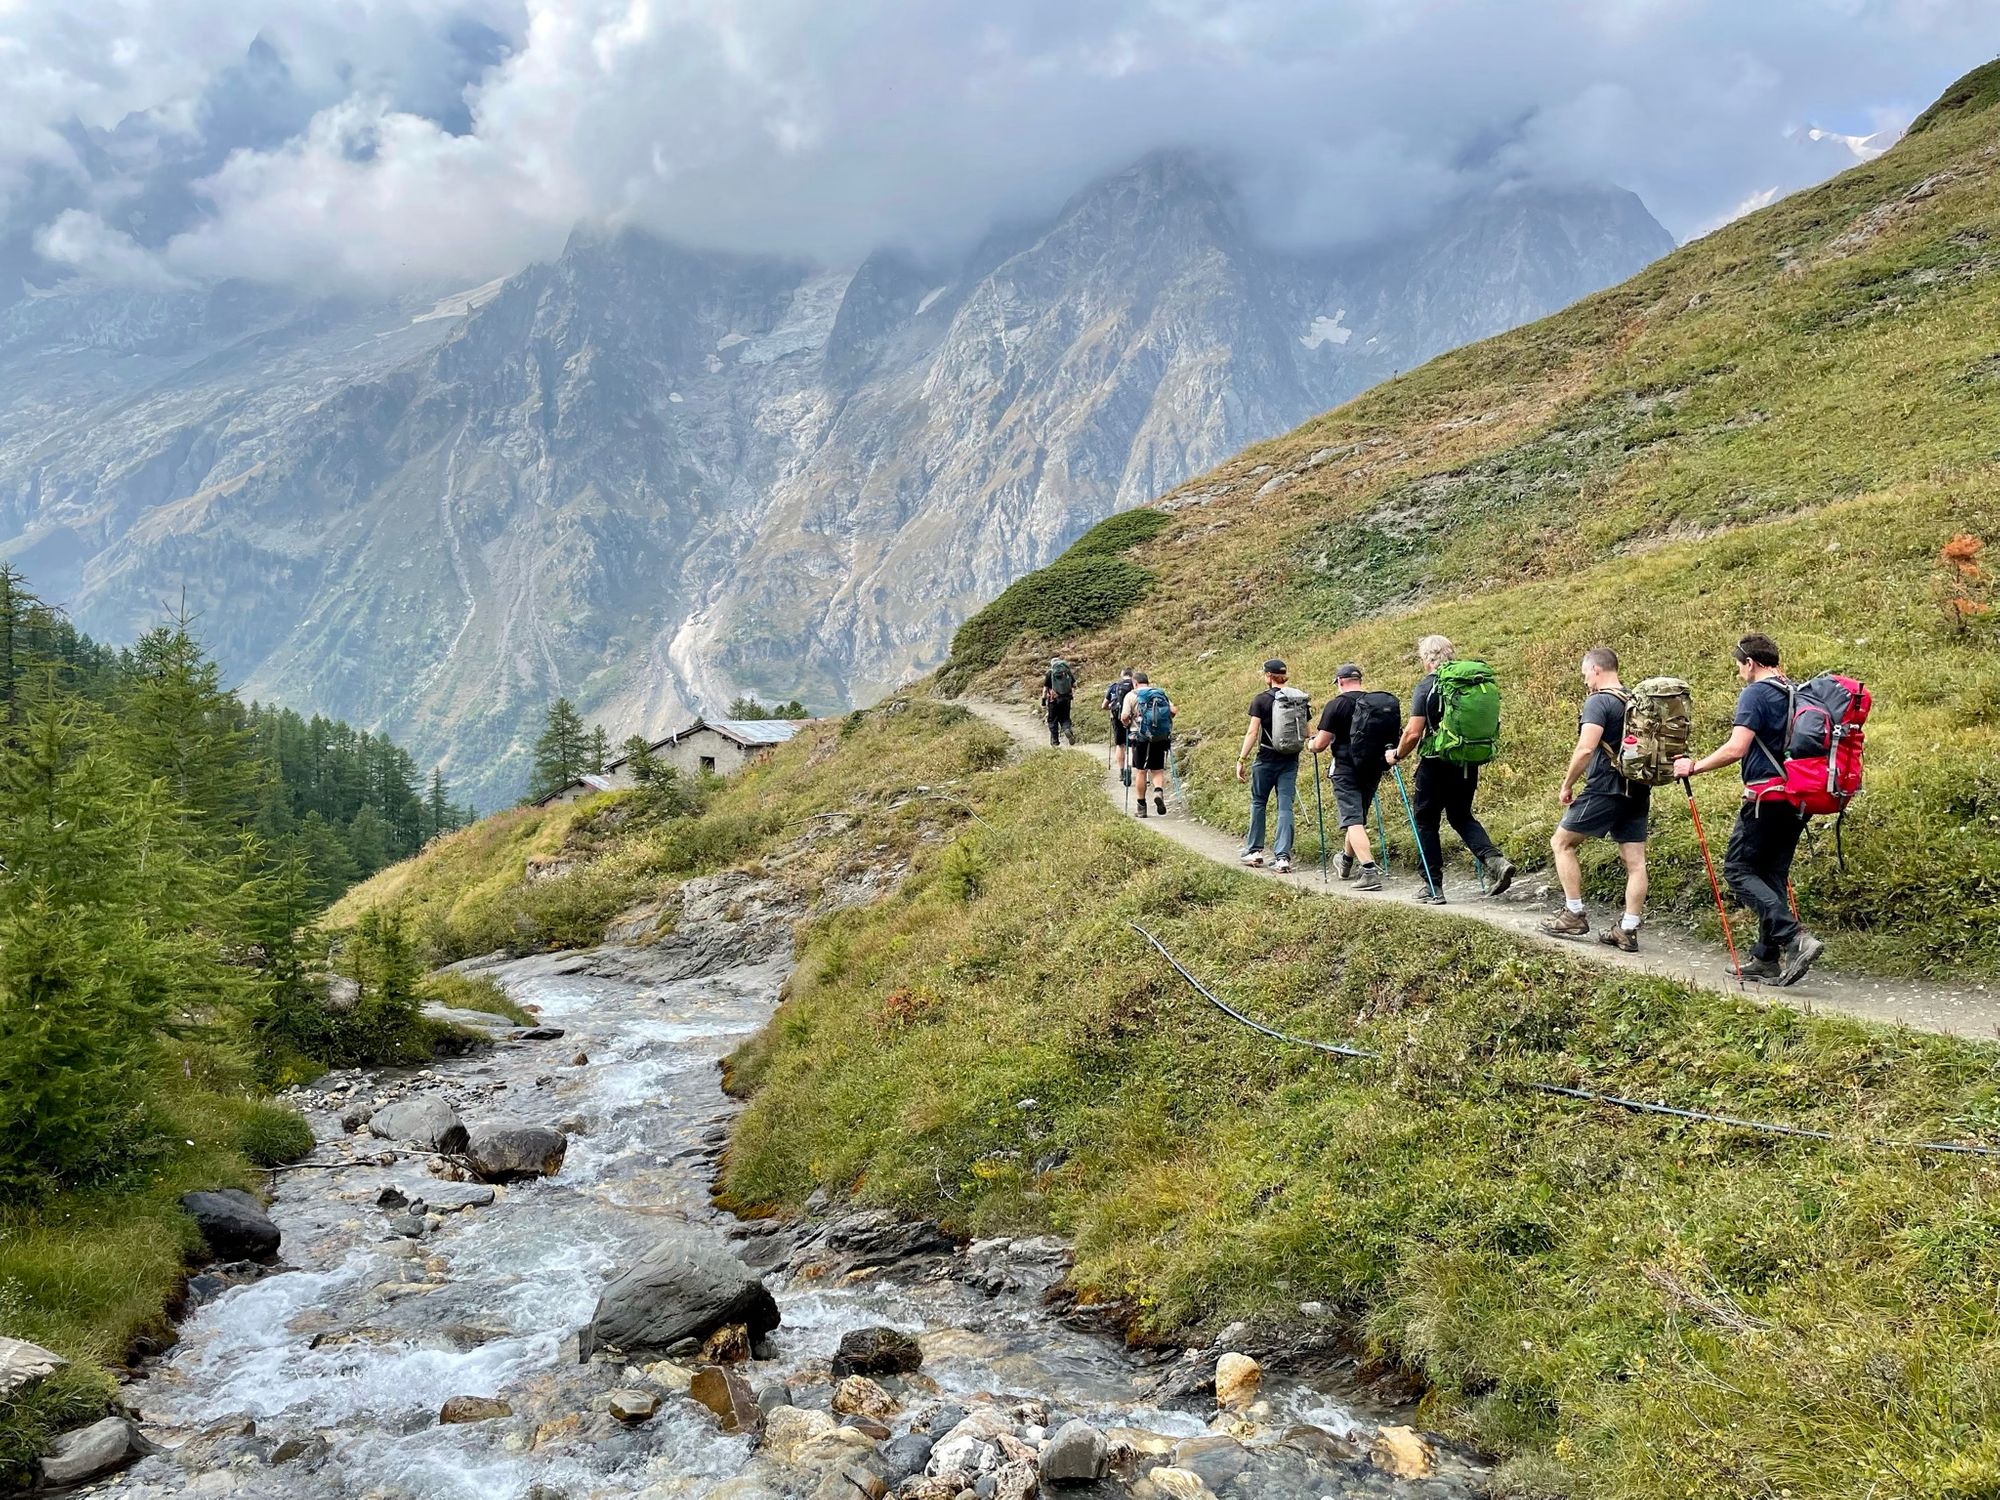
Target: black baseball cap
1348 672
1275 667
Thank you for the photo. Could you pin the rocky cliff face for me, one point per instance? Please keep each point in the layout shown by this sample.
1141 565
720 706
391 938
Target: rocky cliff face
653 478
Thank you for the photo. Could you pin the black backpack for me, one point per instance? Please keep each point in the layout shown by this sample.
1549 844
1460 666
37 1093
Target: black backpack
1377 724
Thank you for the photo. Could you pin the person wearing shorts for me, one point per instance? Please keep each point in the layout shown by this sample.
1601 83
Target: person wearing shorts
1607 807
1114 705
1148 753
1358 769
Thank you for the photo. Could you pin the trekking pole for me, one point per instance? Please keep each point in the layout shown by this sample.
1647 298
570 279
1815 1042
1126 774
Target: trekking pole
1713 884
1381 833
1319 816
1422 858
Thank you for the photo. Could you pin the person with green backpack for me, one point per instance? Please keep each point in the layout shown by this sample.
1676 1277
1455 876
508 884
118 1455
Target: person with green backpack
1454 729
1058 693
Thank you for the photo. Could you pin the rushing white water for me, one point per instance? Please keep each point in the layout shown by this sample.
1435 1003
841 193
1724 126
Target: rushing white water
359 1345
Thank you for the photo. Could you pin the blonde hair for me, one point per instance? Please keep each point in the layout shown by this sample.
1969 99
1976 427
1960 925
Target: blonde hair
1435 650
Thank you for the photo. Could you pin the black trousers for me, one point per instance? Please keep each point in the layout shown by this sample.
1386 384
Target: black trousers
1443 793
1758 867
1059 724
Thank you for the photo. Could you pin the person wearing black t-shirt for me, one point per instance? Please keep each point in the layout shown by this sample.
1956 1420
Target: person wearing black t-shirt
1608 807
1274 773
1358 767
1765 840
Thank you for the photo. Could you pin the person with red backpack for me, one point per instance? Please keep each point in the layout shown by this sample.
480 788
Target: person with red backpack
1800 749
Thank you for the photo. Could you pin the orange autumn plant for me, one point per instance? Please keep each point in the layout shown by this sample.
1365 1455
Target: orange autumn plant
1963 585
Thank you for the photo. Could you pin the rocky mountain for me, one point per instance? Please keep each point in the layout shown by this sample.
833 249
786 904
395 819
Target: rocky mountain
652 477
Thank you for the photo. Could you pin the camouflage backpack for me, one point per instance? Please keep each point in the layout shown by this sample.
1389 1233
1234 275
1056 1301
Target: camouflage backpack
1659 728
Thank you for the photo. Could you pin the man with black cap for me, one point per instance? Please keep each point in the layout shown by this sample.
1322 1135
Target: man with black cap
1357 726
1276 734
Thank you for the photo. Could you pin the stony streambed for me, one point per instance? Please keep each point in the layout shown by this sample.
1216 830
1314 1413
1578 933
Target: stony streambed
325 1379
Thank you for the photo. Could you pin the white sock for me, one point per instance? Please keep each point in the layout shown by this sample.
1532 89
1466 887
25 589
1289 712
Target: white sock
1629 922
1575 906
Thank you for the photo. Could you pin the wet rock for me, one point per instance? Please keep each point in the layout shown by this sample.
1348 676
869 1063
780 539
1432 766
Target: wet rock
295 1450
901 1457
474 1409
392 1197
973 1446
233 1224
100 1448
1075 1453
539 1034
940 1420
504 1153
1216 1459
772 1396
451 1197
1015 1480
1401 1452
560 1430
1171 1484
685 1287
429 1123
728 1395
1237 1377
669 1375
409 1226
790 1430
23 1364
633 1406
851 1481
580 1060
859 1396
728 1345
877 1351
1317 1444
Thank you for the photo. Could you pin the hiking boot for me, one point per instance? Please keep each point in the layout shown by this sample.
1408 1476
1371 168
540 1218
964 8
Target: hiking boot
1757 971
1503 876
1160 803
1798 957
1282 867
1430 897
1370 879
1567 924
1254 859
1345 865
1624 939
1142 807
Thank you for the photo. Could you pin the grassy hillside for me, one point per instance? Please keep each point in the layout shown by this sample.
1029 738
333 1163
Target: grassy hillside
1779 427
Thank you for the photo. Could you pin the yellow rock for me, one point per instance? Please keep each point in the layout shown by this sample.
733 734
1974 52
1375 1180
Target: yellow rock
1237 1377
1399 1451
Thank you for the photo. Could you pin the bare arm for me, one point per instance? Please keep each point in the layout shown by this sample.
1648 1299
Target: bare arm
1320 741
1412 732
1587 741
1732 750
1250 738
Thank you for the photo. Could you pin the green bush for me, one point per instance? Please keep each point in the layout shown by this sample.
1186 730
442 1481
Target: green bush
272 1135
473 992
1119 533
1072 594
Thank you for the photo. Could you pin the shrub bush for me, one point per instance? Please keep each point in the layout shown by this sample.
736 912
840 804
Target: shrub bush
1071 595
272 1135
1119 533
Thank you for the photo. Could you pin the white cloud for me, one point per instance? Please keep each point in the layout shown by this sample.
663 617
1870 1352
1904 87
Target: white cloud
84 243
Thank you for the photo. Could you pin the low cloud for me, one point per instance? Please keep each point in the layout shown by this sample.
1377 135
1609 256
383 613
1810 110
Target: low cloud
444 140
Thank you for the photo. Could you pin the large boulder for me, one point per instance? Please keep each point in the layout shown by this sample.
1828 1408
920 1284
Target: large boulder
429 1123
877 1351
233 1224
685 1287
90 1451
1075 1453
23 1364
502 1153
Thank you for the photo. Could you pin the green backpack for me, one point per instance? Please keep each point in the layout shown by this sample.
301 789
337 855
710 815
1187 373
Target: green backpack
1468 724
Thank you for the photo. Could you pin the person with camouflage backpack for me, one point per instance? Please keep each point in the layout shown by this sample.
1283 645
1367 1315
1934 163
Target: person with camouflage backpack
1626 743
1454 728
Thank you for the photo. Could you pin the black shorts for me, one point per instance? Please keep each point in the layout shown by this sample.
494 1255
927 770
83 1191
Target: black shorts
1119 733
1620 819
1150 755
1354 789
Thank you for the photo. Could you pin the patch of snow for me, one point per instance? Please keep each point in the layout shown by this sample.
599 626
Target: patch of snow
673 395
731 340
929 297
806 323
1325 330
714 365
458 304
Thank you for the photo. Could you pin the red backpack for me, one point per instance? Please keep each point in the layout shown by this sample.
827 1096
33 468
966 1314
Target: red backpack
1822 759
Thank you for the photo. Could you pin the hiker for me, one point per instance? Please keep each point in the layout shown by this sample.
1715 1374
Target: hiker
1454 725
1114 705
1276 734
1058 690
1149 725
1762 845
1609 807
1357 726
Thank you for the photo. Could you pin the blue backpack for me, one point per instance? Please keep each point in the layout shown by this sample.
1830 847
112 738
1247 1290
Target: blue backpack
1152 716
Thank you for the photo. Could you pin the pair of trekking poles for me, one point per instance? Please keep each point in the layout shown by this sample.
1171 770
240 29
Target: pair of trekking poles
1381 827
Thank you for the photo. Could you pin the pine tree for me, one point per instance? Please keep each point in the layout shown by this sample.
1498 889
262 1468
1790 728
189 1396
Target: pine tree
560 752
599 752
438 810
178 725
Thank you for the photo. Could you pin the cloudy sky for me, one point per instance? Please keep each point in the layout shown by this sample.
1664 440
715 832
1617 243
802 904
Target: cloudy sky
376 142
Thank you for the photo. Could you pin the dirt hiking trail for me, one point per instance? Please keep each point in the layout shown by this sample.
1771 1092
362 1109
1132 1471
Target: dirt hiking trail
1971 1011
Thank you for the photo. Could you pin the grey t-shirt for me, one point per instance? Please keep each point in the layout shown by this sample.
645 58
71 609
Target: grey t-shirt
1607 712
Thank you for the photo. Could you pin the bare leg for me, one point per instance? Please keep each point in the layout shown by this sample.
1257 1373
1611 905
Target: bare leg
1358 845
1634 857
1569 867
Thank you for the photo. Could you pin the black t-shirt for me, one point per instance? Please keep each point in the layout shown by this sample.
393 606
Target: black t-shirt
1424 701
1261 708
1765 709
1601 779
1337 719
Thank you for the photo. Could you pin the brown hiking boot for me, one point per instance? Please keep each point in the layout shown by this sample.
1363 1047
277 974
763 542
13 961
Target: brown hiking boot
1624 939
1568 924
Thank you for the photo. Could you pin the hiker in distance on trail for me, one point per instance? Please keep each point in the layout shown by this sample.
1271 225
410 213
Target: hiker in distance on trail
1454 728
1357 725
1280 719
1610 806
1778 729
1058 693
1149 727
1114 705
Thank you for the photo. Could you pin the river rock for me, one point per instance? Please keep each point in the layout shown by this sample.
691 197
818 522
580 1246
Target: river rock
729 1396
1075 1453
790 1430
972 1447
1401 1452
233 1224
1237 1377
1171 1484
294 1450
728 1345
429 1123
1015 1480
851 1481
474 1409
633 1406
503 1153
685 1287
1216 1457
877 1351
23 1364
90 1451
859 1396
